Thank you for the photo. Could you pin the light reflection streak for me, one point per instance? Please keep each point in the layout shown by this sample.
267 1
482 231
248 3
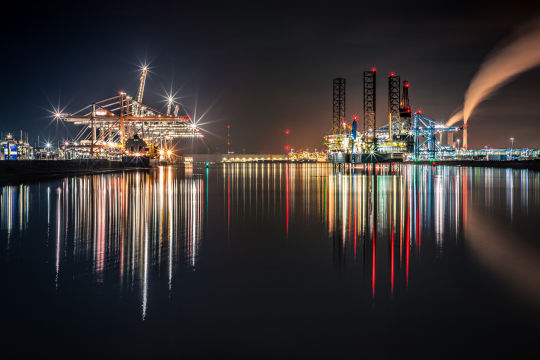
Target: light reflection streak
15 201
378 204
126 223
58 233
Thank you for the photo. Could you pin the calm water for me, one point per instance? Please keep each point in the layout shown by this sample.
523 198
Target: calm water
270 260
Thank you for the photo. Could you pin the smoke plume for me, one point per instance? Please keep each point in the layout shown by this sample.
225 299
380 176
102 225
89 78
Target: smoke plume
455 118
521 53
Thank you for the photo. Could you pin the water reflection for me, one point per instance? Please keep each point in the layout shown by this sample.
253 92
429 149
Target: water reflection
14 210
380 216
124 224
381 221
387 219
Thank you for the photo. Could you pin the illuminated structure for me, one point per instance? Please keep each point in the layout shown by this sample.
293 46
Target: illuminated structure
404 137
393 104
339 139
338 102
109 123
405 107
16 150
370 106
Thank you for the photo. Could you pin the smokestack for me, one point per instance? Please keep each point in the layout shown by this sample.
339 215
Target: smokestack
465 136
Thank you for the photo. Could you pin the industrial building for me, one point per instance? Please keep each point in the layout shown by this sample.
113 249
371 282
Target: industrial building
13 149
405 136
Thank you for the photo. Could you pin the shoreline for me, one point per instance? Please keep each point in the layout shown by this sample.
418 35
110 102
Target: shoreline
511 164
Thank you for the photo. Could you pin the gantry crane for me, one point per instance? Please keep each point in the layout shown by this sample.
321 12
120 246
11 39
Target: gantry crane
108 123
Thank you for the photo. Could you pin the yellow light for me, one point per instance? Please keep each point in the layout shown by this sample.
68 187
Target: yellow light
161 152
169 152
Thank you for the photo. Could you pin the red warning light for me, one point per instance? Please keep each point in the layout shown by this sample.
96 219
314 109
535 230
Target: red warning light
373 69
287 132
228 126
392 74
406 84
228 144
287 148
419 112
355 118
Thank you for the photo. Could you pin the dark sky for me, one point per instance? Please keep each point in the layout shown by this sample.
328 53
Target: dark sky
264 67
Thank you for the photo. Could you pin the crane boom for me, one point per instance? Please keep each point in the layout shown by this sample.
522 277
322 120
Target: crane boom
140 93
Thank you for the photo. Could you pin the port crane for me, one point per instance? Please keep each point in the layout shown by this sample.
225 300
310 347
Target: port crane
108 123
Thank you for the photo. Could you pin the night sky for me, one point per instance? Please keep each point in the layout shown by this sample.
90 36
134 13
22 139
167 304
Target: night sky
263 67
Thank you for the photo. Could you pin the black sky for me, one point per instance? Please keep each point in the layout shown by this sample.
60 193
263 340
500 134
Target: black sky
263 66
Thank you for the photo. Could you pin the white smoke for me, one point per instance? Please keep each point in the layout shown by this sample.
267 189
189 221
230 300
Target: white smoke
519 55
455 118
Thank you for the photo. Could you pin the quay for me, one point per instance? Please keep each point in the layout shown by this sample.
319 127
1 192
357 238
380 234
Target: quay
533 164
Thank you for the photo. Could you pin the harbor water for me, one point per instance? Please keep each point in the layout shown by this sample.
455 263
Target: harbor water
270 260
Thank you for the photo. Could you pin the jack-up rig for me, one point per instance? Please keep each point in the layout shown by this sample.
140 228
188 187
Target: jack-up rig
123 126
406 136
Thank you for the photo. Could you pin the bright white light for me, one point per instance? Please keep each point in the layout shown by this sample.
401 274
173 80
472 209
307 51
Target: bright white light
169 152
193 126
48 145
161 152
137 154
